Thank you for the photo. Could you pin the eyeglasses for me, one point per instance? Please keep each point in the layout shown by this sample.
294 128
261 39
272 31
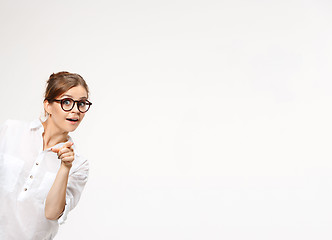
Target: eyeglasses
67 104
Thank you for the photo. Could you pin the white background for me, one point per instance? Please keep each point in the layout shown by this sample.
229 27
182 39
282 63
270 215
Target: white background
210 119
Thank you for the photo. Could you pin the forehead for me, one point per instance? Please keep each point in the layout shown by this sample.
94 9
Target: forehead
76 92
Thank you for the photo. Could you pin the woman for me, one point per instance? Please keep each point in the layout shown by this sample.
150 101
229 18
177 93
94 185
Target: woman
42 175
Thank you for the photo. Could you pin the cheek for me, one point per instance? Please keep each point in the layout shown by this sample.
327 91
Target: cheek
58 112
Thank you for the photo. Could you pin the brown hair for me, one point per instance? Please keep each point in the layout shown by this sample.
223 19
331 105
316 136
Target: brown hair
60 82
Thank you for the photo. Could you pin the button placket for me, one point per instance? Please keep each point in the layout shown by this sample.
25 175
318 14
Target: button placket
33 172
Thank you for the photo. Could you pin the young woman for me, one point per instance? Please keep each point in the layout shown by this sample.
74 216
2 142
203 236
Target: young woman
42 175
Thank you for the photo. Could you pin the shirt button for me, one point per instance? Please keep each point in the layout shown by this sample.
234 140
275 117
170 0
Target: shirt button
31 176
25 189
37 163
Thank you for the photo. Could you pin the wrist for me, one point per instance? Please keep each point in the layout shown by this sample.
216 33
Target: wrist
65 166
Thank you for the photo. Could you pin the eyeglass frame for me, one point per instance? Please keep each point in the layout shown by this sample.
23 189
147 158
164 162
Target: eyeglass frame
74 101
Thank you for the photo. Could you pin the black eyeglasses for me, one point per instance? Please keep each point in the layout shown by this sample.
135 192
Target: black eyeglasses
67 104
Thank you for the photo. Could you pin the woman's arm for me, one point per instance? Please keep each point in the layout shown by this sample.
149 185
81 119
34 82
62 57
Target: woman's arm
56 197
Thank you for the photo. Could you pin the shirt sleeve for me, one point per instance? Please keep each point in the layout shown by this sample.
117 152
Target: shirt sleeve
75 186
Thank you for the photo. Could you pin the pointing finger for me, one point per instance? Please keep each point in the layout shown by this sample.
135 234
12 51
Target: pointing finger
68 144
56 150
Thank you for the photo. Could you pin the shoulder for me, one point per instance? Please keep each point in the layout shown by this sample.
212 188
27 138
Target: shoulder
12 125
11 132
80 166
80 162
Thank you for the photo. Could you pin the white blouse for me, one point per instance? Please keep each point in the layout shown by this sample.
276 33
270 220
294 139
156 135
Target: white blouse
26 176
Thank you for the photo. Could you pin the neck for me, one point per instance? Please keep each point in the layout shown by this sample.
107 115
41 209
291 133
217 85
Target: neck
52 134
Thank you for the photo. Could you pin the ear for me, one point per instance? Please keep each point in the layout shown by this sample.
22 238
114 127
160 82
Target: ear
47 107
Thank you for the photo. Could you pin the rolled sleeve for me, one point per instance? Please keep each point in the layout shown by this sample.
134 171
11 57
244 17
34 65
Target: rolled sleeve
75 186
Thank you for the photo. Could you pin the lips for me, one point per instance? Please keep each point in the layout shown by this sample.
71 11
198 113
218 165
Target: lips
72 119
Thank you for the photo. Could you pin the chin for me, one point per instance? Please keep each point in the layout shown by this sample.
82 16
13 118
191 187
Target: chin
72 129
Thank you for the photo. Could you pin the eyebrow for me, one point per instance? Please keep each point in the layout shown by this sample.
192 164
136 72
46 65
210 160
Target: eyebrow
67 95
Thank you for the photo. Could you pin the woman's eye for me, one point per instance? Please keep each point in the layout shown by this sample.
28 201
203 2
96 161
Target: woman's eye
66 102
82 104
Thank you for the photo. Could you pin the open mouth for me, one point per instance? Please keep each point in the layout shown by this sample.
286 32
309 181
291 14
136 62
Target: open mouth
72 119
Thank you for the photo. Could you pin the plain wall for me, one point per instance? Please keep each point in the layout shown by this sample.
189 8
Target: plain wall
210 119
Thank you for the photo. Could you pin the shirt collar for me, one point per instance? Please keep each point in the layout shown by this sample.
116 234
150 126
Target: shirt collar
36 124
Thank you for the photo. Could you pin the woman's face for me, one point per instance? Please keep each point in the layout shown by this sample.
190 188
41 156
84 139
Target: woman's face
67 121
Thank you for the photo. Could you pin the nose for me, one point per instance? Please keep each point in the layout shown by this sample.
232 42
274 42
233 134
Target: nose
75 108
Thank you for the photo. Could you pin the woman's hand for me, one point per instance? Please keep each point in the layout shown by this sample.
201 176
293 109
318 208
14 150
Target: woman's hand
56 198
65 154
